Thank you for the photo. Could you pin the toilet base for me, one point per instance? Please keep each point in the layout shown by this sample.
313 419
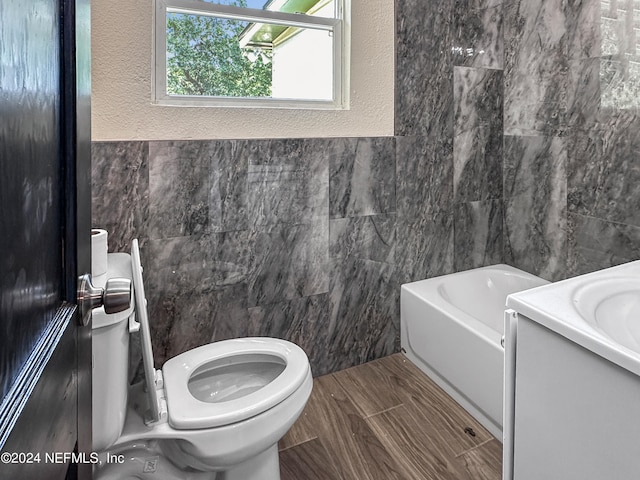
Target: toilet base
265 466
145 461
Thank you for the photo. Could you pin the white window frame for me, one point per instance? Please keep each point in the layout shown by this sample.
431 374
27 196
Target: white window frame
340 53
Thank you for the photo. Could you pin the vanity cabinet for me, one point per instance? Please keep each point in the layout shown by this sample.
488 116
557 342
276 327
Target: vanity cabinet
569 412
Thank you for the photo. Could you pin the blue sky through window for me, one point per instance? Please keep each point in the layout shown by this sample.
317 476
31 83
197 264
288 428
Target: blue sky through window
250 3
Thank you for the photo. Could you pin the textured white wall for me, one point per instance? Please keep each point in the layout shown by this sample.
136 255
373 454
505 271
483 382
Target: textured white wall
121 85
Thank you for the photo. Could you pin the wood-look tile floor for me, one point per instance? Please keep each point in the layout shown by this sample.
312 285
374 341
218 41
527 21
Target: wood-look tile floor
386 420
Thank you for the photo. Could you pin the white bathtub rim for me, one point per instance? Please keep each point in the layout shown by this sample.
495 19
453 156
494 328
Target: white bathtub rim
463 319
430 288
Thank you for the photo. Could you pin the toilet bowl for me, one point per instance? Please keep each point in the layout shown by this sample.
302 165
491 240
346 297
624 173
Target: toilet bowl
213 412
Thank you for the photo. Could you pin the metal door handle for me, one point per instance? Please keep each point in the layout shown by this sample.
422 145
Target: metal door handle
114 297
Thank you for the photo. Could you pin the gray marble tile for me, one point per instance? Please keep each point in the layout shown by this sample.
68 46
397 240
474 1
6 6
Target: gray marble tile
424 70
172 269
604 174
120 191
216 260
618 28
478 39
367 238
136 367
478 234
365 313
424 175
229 313
179 188
478 132
583 20
595 244
535 71
477 98
477 165
288 261
230 259
584 92
228 168
288 181
195 318
603 93
620 85
361 176
424 247
535 199
303 321
197 290
462 5
175 265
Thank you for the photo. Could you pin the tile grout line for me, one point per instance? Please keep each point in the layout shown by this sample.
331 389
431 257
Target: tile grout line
475 447
298 444
382 411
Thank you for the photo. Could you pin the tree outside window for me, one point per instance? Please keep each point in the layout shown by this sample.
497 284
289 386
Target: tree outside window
204 57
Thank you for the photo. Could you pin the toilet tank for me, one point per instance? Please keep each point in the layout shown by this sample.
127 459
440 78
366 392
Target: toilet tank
110 344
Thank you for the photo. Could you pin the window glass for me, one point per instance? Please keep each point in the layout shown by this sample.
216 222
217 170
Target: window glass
204 57
231 52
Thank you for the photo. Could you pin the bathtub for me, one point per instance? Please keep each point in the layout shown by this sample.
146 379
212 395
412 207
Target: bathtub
452 327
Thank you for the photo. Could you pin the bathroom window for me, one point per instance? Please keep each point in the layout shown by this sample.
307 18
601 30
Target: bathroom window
253 53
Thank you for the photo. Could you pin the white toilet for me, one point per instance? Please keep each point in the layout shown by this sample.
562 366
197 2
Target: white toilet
214 412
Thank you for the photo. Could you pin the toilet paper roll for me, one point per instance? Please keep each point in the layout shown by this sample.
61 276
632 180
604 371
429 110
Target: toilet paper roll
98 252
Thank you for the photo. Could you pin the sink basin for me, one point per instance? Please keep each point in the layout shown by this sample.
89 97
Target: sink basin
612 307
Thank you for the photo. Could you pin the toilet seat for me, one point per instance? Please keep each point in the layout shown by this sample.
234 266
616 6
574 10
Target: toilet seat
187 412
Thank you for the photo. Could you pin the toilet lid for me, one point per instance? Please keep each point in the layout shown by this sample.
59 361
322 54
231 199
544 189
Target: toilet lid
188 412
145 335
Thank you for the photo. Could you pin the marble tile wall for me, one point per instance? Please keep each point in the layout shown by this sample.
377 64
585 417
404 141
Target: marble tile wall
523 116
449 135
517 140
572 135
289 238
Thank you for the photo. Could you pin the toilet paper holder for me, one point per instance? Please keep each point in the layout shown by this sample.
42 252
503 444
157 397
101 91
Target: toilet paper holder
114 297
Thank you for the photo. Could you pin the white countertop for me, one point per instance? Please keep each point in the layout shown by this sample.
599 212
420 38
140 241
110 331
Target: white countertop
556 306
